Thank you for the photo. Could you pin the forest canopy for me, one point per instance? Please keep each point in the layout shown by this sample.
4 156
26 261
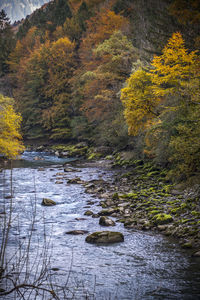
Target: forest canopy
87 71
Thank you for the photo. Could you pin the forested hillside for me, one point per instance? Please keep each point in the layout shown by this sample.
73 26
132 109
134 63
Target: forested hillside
114 73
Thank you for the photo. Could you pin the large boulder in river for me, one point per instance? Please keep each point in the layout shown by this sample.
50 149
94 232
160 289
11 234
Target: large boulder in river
105 221
48 202
105 237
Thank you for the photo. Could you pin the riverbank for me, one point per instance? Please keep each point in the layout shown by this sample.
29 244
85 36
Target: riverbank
140 196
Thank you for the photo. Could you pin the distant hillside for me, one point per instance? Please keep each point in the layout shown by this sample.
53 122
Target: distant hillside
19 9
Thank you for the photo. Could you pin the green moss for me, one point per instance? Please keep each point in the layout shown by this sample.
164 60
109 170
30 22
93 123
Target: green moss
153 173
109 157
121 220
130 196
115 196
195 213
162 218
183 221
94 156
187 245
154 212
183 206
175 210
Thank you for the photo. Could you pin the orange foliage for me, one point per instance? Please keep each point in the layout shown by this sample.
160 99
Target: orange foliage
186 10
24 48
99 28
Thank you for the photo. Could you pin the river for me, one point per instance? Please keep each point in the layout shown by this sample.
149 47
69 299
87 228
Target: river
146 266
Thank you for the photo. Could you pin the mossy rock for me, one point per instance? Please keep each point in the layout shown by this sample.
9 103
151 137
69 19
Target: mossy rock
162 218
105 237
154 212
108 212
48 202
187 245
105 221
88 213
94 156
175 211
115 196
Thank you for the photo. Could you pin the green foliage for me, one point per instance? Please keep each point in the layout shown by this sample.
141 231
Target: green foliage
102 105
7 42
47 18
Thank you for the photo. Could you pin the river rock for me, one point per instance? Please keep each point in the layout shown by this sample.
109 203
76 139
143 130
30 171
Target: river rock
162 218
75 180
105 221
88 213
196 254
70 170
105 237
95 216
48 202
77 232
108 212
38 158
60 174
41 169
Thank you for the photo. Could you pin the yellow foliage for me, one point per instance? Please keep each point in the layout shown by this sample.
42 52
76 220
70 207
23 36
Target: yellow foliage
174 68
10 138
139 101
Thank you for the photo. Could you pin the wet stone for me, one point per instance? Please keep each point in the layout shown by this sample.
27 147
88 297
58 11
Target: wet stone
48 202
105 237
76 232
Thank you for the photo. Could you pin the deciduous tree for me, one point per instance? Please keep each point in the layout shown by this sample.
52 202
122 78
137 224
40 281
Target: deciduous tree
10 138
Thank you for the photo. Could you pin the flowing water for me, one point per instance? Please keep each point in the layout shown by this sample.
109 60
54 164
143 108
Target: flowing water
146 266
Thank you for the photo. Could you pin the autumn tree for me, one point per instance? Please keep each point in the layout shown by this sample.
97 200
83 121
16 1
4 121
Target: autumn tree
162 102
61 66
186 10
140 102
10 138
43 89
174 69
99 28
23 49
76 25
102 105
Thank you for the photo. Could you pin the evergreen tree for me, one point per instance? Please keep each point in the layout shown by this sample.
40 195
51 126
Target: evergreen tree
7 42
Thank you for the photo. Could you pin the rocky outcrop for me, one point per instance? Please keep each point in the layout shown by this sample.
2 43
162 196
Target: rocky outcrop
105 237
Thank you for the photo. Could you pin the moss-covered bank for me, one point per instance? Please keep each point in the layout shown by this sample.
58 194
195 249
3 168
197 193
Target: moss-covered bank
141 197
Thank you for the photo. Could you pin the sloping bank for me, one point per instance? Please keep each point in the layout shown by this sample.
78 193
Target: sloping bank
140 196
